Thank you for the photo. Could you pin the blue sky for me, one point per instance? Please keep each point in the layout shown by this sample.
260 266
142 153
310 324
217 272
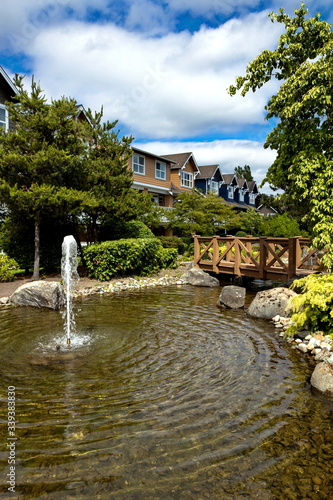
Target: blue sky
161 67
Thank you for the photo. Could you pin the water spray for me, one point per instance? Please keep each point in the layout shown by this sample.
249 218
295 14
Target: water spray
69 277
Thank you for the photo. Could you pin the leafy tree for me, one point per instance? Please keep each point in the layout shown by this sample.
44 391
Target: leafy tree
303 105
40 163
244 173
251 222
281 226
201 214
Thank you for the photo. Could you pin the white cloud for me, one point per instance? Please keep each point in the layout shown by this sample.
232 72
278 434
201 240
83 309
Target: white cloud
226 153
171 86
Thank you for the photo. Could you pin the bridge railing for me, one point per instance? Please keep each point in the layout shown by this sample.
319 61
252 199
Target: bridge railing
257 257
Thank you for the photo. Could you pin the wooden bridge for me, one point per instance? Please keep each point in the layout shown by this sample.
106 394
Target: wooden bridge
263 258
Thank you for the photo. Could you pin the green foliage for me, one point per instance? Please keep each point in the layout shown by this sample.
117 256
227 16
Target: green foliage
244 173
313 307
303 105
141 257
281 226
251 222
125 229
173 242
201 214
8 267
241 234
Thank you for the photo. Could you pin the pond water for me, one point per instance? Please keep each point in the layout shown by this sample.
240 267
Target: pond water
161 396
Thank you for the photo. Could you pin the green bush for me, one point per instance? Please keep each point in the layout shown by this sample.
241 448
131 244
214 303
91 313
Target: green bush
8 267
125 230
173 242
167 258
140 256
240 234
313 307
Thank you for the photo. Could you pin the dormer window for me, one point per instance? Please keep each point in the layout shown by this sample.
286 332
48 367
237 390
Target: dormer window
241 195
4 122
252 198
231 192
186 179
214 187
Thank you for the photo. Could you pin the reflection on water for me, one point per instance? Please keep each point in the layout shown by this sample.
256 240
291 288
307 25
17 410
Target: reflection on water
162 396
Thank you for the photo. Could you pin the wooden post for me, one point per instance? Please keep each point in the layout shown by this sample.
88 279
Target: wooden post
237 257
196 250
215 254
263 258
292 260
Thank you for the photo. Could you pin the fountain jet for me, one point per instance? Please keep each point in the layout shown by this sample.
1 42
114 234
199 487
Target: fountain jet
69 277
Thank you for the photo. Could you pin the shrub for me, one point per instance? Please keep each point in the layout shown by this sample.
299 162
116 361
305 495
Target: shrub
167 258
140 256
313 307
8 267
240 234
125 230
173 242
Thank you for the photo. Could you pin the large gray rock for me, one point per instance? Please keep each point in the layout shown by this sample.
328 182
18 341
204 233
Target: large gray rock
232 296
198 277
269 303
39 294
322 378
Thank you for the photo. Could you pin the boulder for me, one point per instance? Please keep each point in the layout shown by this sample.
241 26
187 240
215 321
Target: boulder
269 303
232 296
198 277
39 294
322 378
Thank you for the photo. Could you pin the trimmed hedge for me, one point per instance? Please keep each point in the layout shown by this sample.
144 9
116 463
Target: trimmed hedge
173 242
139 256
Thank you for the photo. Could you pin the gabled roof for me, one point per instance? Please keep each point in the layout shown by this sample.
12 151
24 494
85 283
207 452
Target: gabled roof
12 89
207 171
229 179
164 158
180 160
242 183
252 186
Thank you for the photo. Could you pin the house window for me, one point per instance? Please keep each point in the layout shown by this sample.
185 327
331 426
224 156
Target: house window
186 179
241 195
3 117
160 170
158 199
138 164
214 187
231 192
252 198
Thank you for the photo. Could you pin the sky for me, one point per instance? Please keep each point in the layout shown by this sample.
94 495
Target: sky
160 67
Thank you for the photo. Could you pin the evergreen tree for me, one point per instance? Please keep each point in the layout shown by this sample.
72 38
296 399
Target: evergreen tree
244 173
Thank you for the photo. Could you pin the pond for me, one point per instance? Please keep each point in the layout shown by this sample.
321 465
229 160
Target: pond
162 395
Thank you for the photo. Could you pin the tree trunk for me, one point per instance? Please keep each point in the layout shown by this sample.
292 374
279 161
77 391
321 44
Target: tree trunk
36 275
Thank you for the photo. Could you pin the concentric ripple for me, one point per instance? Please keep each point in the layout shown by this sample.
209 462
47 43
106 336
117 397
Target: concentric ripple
161 396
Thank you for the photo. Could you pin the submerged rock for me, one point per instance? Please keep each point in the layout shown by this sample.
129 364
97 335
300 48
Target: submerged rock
48 294
198 277
232 296
270 303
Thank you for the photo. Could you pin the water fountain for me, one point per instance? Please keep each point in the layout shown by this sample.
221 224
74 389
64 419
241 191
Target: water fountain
70 278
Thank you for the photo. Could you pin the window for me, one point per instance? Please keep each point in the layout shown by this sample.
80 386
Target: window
138 163
214 187
231 192
186 179
252 198
158 199
241 195
160 170
3 117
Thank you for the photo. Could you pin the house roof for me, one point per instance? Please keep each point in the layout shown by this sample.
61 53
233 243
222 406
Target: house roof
207 171
180 160
252 186
164 158
8 81
228 178
242 183
175 190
